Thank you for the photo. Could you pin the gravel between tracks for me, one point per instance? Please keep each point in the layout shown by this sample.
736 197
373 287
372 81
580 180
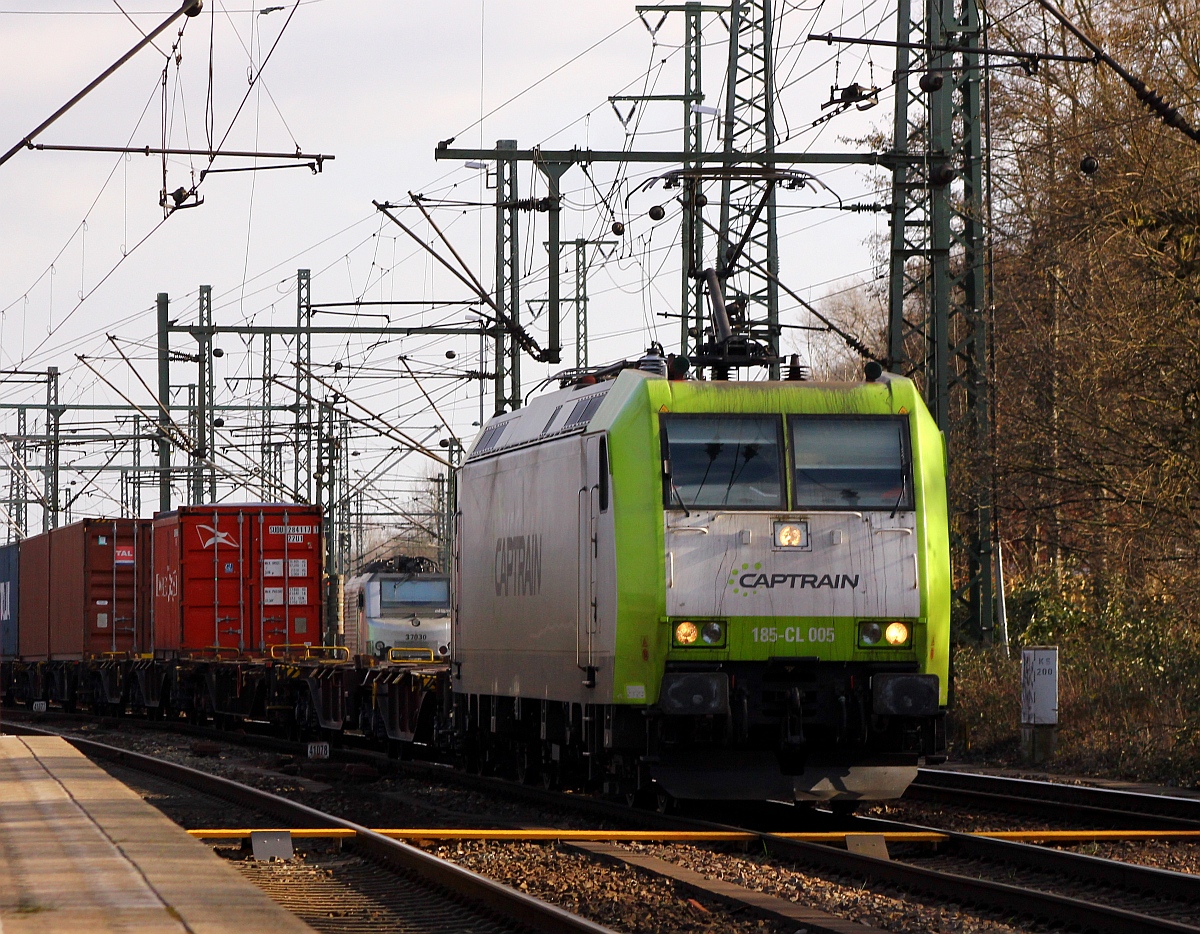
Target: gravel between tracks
624 899
844 897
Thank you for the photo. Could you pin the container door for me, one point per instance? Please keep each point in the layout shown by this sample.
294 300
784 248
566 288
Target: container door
166 619
9 592
122 596
287 559
214 606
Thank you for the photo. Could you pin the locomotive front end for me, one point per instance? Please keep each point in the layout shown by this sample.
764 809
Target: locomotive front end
805 574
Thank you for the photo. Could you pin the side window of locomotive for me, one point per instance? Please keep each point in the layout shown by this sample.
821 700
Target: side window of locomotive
851 463
722 461
603 470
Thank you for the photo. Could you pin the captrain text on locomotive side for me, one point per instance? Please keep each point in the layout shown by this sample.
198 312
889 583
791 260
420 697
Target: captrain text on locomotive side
702 589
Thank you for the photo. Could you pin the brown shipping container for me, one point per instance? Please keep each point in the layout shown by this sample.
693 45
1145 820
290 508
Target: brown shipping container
85 590
33 609
237 577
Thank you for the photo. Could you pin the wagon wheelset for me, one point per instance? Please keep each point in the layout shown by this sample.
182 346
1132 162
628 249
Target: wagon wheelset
640 792
529 762
305 724
551 769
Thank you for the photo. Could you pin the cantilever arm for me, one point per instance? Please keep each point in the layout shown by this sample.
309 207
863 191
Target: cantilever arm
189 8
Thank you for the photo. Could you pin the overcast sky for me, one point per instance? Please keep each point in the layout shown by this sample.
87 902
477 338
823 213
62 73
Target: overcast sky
376 84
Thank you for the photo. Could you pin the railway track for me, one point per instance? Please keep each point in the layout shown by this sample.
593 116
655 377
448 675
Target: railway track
1056 800
1002 878
424 892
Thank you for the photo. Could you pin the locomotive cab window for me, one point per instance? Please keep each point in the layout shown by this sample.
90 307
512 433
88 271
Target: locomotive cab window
414 594
851 462
727 462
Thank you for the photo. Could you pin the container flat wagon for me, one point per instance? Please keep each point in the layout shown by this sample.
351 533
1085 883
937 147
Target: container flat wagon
212 612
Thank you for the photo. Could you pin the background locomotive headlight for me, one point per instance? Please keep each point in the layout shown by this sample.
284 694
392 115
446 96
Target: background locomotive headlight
791 534
686 633
713 633
870 633
896 633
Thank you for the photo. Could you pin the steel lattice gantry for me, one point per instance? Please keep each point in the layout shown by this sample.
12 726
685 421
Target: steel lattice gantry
938 314
508 280
303 461
691 240
750 128
204 477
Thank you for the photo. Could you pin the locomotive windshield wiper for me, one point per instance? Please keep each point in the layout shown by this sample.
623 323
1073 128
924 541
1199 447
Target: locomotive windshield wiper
713 450
679 496
748 454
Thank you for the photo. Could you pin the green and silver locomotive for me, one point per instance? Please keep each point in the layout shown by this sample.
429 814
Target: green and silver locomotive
706 589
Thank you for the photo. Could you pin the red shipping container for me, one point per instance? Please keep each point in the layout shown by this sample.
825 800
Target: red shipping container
88 590
240 577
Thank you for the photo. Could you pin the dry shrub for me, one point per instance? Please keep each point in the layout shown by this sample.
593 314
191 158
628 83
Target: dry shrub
1128 673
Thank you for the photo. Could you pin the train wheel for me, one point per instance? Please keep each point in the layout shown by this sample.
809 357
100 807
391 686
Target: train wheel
551 773
308 724
529 763
196 714
490 756
472 754
664 803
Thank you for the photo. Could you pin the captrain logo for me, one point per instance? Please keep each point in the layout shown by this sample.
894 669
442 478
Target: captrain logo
519 566
748 579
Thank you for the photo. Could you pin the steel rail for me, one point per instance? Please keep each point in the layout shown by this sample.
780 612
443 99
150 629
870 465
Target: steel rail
506 902
1055 799
1130 877
1010 899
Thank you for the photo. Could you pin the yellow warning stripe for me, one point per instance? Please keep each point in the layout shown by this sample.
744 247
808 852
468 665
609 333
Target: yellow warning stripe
707 836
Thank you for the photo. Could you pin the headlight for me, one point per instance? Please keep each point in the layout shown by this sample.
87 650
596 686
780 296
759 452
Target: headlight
706 633
791 534
896 633
869 633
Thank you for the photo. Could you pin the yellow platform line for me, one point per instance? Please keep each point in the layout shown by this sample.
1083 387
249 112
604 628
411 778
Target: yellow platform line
708 836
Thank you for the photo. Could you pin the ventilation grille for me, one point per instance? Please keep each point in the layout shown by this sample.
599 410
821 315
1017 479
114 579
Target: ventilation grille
583 411
491 437
550 420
